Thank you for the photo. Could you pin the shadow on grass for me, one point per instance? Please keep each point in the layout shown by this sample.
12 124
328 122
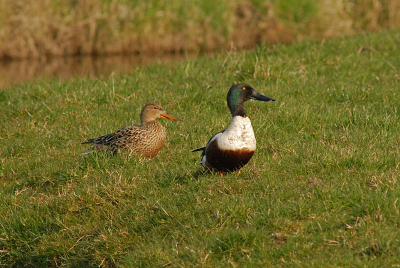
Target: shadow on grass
197 174
48 176
168 178
374 251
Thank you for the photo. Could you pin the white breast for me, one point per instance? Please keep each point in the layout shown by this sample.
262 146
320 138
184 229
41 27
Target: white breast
239 135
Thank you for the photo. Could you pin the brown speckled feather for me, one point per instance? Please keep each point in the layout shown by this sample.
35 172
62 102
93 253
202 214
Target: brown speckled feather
145 140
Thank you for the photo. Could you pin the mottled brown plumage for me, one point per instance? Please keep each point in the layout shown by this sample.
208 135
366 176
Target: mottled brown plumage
145 140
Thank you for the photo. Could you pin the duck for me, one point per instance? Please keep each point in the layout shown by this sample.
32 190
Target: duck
231 149
145 140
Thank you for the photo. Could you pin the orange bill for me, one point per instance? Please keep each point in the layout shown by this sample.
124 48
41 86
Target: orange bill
170 117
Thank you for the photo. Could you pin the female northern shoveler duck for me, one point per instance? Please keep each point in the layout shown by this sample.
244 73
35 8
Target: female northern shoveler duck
145 140
232 148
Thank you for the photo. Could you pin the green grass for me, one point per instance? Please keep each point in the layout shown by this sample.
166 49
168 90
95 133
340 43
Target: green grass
322 189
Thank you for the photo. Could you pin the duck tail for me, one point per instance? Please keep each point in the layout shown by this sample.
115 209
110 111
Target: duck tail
200 149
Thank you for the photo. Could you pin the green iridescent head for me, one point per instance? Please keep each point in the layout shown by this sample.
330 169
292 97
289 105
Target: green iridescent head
240 93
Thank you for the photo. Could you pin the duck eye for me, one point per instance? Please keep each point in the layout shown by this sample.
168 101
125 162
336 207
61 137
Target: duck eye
244 88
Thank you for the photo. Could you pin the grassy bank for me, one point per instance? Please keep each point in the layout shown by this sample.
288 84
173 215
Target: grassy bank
43 28
321 190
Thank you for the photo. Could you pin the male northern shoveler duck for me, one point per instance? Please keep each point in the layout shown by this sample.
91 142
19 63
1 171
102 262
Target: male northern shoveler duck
232 148
145 140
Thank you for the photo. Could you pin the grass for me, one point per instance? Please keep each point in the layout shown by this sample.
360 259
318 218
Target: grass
52 28
321 190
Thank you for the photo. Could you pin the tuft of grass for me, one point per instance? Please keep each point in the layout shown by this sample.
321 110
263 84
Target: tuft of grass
321 190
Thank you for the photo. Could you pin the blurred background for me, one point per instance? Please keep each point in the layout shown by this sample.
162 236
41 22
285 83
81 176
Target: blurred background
53 38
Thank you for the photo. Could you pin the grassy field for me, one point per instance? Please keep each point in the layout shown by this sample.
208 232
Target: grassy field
322 189
46 28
